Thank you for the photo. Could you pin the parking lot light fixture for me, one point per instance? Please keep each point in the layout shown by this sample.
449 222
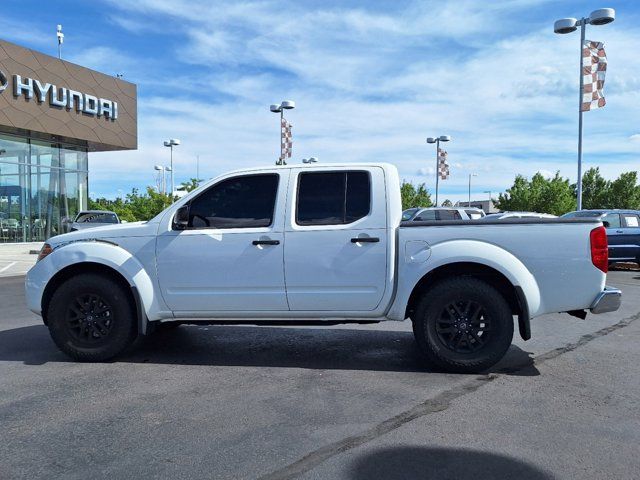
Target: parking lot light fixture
275 108
602 16
160 169
172 142
437 140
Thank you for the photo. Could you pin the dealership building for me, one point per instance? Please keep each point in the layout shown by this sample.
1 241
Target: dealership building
53 114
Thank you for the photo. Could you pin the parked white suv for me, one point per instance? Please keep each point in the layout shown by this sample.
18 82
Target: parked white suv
318 243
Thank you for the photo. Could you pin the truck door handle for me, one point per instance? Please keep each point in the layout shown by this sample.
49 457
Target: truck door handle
365 240
619 231
266 242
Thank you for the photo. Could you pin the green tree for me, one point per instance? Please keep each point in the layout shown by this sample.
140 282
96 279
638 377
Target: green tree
595 190
542 195
192 184
135 206
557 196
414 197
624 192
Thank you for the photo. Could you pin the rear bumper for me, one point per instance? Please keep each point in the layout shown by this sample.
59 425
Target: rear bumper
607 301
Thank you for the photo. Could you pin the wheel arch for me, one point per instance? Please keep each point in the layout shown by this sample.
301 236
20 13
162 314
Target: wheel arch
513 294
88 267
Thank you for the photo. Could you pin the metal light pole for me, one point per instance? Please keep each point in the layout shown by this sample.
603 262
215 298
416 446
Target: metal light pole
568 25
60 36
160 169
441 138
284 105
173 142
489 207
470 175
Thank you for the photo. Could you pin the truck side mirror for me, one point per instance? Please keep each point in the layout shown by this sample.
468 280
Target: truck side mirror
181 218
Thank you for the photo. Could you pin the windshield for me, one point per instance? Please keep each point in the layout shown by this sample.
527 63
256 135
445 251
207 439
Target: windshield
474 214
96 217
582 214
407 214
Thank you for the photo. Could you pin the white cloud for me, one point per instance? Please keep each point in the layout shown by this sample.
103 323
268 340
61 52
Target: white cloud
371 85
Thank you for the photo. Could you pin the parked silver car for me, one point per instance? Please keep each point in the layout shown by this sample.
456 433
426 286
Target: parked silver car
93 218
506 215
441 213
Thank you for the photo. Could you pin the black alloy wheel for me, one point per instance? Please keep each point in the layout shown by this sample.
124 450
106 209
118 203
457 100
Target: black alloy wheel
89 319
463 324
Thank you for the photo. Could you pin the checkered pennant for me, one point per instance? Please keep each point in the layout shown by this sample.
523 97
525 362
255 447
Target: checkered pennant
285 139
594 67
443 166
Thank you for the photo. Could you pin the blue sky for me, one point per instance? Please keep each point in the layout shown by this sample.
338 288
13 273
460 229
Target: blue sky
371 81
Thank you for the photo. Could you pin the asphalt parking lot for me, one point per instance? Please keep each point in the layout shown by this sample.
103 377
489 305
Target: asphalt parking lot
316 403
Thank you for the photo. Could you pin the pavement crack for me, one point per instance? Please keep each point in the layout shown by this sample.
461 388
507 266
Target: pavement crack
439 403
583 340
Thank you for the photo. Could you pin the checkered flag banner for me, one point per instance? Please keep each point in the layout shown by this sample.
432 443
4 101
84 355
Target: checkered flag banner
285 139
443 166
594 67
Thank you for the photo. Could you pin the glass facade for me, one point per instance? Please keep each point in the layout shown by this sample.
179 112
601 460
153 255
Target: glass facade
42 187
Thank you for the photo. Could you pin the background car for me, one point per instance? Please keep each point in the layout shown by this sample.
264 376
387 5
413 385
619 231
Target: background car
93 218
505 215
623 232
442 213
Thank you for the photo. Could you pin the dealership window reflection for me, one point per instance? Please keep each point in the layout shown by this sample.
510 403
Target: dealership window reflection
42 187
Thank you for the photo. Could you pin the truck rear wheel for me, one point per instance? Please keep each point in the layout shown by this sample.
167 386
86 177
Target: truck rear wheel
463 325
91 318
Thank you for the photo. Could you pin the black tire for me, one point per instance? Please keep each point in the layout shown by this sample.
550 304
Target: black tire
91 318
463 325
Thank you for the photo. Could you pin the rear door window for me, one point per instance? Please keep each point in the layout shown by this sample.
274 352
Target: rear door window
448 215
333 198
630 220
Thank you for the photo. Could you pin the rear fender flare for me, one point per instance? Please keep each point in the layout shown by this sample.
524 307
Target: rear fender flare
466 251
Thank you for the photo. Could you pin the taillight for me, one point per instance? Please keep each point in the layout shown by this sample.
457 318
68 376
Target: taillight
600 248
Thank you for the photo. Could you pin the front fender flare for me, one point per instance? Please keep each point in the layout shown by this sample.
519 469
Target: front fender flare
104 253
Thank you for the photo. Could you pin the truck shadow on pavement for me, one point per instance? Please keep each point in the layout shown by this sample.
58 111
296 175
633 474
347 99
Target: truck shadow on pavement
424 463
313 348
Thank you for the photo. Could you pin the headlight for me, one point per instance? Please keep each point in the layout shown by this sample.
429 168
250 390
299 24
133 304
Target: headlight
44 251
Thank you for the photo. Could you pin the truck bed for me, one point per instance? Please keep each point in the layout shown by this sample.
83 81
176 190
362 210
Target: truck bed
552 255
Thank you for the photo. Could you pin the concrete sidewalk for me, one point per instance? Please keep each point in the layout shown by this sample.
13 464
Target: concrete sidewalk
16 259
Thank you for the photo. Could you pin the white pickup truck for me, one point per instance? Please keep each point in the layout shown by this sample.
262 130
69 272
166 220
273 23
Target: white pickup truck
318 244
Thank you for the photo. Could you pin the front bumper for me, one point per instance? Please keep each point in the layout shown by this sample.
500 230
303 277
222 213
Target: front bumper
607 301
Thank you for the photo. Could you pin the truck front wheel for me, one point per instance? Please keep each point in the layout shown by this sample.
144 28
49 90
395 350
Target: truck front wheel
91 318
463 325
